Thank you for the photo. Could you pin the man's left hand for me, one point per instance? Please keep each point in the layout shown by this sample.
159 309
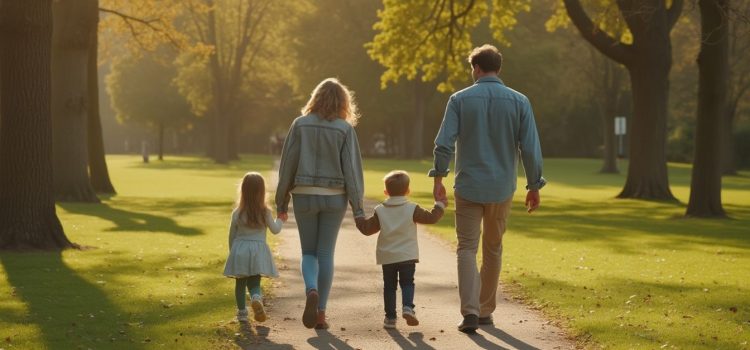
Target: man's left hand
532 201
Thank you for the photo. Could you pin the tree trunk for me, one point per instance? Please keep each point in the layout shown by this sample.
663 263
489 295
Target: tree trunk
713 74
647 171
70 58
220 142
728 158
648 59
98 172
416 127
612 84
161 141
27 214
233 137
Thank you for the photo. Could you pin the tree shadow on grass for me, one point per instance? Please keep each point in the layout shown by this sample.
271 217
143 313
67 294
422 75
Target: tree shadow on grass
126 220
69 311
650 314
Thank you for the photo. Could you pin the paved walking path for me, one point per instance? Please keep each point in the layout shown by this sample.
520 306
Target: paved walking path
355 308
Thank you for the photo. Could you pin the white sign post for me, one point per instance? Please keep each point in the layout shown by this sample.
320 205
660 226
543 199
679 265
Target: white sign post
620 131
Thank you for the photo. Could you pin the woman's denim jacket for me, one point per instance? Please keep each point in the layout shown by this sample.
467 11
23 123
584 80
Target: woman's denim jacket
322 153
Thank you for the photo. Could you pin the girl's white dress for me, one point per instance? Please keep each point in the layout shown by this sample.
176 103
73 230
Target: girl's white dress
249 254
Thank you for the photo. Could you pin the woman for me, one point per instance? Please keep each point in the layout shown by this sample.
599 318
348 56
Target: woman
321 168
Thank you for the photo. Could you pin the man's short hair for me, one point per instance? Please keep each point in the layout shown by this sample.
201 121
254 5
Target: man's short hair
487 57
397 183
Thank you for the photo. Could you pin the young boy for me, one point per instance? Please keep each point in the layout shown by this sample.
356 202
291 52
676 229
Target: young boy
397 249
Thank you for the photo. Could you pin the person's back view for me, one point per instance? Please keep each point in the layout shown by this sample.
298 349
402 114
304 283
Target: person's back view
486 125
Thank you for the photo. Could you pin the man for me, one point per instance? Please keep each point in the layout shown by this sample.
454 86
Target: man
488 124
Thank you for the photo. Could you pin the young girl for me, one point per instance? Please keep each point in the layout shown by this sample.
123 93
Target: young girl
249 255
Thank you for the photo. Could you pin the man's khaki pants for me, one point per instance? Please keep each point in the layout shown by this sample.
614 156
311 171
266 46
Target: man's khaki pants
478 289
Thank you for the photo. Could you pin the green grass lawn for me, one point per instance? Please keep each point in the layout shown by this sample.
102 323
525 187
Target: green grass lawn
624 274
152 278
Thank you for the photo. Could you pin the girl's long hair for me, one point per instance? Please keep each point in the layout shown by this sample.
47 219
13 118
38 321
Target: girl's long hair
332 100
251 202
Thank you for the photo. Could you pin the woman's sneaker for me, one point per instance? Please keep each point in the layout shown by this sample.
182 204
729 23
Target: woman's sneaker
410 316
242 315
389 323
257 304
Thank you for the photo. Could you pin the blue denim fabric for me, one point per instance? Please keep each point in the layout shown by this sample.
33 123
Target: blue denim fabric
403 274
321 153
318 220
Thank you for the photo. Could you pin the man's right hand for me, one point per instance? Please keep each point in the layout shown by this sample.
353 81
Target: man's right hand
438 191
283 216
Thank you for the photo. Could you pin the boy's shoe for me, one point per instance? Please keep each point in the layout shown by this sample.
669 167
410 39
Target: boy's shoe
389 323
242 315
258 310
469 325
486 321
410 316
310 315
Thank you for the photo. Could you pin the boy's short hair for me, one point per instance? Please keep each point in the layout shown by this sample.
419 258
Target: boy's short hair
397 183
487 57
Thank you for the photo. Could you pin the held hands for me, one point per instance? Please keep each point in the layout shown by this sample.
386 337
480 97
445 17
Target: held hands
360 222
532 201
283 216
438 191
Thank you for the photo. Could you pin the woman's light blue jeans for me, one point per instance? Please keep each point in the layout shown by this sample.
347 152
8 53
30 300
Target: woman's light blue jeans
318 220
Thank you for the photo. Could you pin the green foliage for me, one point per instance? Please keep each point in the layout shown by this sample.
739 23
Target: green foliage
604 13
141 90
425 40
622 274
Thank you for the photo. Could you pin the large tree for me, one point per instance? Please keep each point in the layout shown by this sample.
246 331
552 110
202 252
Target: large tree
75 21
648 59
229 38
713 75
27 214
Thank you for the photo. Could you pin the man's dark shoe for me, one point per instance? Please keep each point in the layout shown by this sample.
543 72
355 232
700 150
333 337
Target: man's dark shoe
469 324
486 321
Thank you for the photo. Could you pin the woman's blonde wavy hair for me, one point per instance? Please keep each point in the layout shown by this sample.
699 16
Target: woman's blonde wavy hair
332 100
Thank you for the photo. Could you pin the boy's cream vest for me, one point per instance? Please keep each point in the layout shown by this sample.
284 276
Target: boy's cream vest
397 241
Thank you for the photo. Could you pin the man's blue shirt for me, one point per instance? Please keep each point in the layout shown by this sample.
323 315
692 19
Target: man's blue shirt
486 126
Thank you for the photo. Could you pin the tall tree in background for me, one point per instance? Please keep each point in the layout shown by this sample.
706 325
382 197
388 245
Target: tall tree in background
649 60
739 80
713 75
98 172
27 214
75 20
141 90
609 80
232 33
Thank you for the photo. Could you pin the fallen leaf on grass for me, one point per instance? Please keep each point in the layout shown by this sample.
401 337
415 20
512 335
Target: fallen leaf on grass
733 309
